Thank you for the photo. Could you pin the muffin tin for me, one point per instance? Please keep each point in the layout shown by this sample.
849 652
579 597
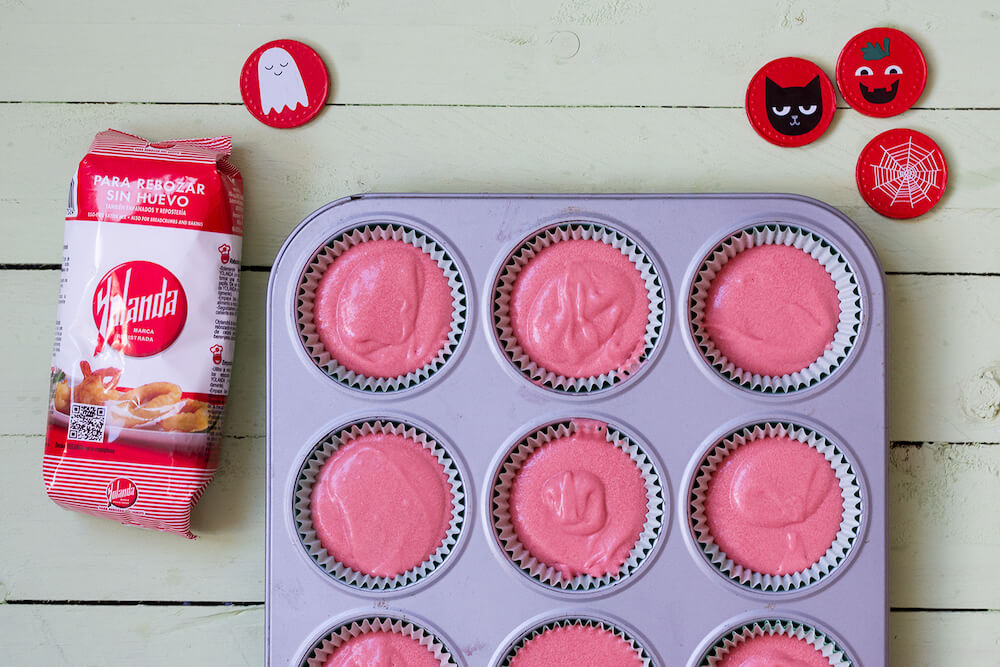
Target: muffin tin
677 407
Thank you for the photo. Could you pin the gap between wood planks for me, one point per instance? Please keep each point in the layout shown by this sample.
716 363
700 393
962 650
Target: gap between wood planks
372 105
262 268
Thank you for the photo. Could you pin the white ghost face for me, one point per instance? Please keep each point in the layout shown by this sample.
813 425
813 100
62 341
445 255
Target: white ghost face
280 82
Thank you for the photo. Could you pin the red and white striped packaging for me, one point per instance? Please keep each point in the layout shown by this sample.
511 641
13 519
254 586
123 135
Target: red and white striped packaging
145 330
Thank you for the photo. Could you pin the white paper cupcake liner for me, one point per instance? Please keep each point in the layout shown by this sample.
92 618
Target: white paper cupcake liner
525 252
311 467
322 260
843 543
336 637
776 626
583 621
819 249
546 575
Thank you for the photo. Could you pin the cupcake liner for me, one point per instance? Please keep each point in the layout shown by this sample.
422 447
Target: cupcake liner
311 467
776 626
322 260
527 250
586 622
833 261
850 525
503 526
335 638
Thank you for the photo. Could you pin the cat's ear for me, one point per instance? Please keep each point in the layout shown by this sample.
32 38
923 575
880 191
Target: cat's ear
814 86
771 87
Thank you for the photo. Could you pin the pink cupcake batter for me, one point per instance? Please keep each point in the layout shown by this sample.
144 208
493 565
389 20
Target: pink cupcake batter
578 503
383 308
774 505
381 504
772 310
382 649
576 645
774 651
579 308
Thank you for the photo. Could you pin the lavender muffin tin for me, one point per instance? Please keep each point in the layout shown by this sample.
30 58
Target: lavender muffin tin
678 602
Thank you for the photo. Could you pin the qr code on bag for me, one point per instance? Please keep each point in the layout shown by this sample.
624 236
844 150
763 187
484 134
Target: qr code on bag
86 422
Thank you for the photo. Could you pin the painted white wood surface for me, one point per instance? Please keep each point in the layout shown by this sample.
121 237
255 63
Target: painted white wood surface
466 96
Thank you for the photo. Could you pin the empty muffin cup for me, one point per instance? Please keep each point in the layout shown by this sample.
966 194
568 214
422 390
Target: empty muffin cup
775 309
578 307
378 640
379 504
775 641
577 505
576 641
381 307
775 507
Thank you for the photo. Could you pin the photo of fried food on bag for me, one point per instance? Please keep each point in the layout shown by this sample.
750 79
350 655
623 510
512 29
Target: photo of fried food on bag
154 406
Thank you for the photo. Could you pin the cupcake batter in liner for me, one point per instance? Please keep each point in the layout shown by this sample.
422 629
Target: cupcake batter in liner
503 287
306 529
843 543
325 647
827 647
848 293
642 656
550 575
325 257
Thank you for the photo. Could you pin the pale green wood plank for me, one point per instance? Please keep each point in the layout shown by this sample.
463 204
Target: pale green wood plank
481 52
350 150
943 526
53 554
943 332
79 636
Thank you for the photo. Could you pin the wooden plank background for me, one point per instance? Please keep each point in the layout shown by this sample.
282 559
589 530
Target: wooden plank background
469 96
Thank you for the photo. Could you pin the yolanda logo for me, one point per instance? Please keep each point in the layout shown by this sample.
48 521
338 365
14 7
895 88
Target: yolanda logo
139 309
224 251
216 351
122 493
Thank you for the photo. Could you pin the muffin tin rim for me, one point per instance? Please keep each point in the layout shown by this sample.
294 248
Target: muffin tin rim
684 502
469 500
564 613
732 623
802 223
359 614
537 226
403 220
485 510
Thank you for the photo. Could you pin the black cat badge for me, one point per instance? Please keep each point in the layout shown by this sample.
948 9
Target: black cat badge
790 102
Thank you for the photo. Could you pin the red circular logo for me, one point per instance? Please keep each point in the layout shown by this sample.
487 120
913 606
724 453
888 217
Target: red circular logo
284 83
139 309
881 72
790 102
122 493
902 173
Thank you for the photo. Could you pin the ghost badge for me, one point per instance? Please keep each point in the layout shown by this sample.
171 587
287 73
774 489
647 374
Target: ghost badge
284 83
881 72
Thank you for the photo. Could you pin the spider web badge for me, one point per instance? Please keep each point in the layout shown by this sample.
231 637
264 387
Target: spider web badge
901 173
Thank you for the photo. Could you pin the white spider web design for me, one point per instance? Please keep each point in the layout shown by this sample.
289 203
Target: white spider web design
907 173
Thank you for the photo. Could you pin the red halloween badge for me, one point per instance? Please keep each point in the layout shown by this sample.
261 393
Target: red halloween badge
284 83
790 102
902 173
881 72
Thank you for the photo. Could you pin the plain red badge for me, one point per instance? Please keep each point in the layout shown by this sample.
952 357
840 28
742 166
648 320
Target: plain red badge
902 173
284 83
790 102
881 72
